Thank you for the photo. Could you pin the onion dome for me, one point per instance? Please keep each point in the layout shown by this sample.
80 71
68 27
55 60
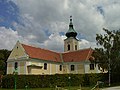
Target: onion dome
71 32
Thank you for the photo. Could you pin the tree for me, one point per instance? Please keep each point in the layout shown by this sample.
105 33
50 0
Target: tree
109 51
3 58
2 67
101 58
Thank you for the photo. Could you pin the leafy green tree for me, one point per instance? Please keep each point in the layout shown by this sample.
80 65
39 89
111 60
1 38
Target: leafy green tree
2 67
109 51
3 58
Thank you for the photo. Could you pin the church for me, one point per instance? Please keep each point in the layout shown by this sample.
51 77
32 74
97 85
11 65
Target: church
27 59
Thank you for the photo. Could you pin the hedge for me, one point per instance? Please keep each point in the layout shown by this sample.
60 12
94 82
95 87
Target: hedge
41 81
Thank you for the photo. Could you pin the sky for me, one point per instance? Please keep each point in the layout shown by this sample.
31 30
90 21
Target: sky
43 23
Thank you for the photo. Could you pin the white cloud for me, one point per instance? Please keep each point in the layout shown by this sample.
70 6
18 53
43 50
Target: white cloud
112 14
87 44
8 38
55 42
31 30
44 19
52 13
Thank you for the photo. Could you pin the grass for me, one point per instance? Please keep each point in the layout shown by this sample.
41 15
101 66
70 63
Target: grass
71 88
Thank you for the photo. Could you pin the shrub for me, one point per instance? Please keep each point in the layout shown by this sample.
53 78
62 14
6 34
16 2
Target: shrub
37 81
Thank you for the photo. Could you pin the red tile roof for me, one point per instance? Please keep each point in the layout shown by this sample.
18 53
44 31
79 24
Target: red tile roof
43 54
77 56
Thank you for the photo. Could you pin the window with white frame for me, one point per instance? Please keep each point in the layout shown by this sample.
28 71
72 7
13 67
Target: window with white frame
92 66
60 68
75 47
72 67
45 66
68 47
16 65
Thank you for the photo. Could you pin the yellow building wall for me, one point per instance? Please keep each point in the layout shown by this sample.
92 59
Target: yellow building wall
72 42
87 69
17 52
46 71
34 63
80 69
17 55
58 69
22 70
69 69
9 68
36 71
52 68
65 69
33 70
21 67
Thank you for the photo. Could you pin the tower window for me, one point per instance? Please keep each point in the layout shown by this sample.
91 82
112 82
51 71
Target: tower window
60 68
45 66
68 47
72 67
75 47
16 65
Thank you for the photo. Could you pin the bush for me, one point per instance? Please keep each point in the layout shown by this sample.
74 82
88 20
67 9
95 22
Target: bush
42 81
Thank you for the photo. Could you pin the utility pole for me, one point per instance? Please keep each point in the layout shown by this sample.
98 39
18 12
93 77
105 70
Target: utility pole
109 73
109 63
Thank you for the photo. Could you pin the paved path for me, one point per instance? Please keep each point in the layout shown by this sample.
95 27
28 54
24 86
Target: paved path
112 88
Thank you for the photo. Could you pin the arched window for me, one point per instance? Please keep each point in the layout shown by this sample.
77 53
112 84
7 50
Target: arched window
60 68
75 47
16 65
72 67
68 47
45 66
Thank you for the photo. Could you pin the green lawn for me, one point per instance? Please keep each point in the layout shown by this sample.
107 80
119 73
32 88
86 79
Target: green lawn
71 88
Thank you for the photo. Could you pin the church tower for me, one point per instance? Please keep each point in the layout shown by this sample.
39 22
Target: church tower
71 43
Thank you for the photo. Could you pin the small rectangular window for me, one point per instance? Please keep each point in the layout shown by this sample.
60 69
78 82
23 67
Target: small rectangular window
45 66
91 66
72 67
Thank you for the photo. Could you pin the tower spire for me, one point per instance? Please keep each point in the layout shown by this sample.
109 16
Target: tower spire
71 32
71 43
71 24
70 19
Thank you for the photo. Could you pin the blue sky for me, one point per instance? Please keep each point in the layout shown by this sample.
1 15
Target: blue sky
9 13
43 23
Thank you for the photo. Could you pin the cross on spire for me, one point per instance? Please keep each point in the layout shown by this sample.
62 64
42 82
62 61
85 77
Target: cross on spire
71 19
